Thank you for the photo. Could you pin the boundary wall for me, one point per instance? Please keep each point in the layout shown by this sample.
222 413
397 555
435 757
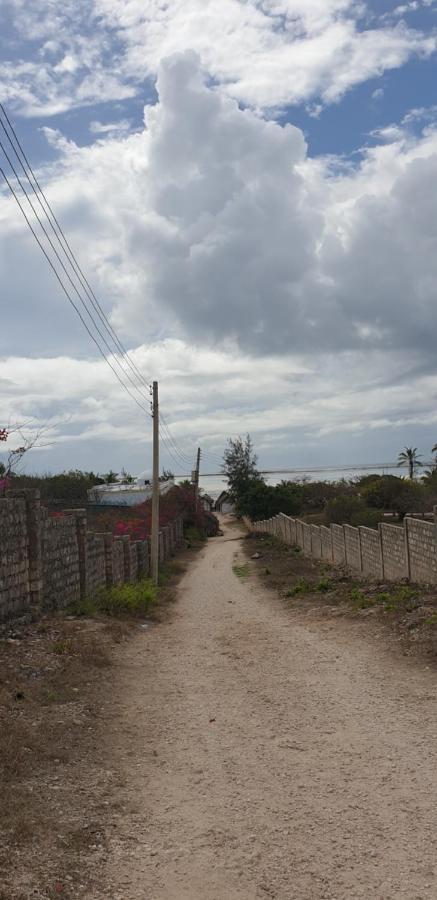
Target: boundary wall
48 563
391 553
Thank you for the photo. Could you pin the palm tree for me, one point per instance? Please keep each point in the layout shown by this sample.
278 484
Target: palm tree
410 457
110 477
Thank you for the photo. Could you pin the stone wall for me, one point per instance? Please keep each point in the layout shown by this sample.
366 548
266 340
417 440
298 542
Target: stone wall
371 553
60 561
46 563
14 559
338 545
353 547
392 553
421 541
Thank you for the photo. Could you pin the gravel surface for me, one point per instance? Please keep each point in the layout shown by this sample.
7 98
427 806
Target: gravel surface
265 756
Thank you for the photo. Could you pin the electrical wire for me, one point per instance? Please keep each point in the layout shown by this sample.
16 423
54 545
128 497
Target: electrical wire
69 298
64 243
73 285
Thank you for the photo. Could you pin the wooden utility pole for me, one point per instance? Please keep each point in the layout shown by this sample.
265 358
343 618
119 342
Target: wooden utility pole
196 475
154 549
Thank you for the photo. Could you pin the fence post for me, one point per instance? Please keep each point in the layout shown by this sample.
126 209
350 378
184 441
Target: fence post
32 500
109 558
381 550
81 531
407 550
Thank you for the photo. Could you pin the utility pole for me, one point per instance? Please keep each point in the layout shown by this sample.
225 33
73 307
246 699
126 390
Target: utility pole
196 475
154 549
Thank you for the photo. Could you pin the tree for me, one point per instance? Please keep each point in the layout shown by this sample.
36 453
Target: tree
34 438
110 477
410 457
126 477
239 467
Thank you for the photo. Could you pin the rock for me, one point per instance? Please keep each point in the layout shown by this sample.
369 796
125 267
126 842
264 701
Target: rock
256 556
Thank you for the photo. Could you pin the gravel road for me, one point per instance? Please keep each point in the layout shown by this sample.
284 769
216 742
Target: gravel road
267 755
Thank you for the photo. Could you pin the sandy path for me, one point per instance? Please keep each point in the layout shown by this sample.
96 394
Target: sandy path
269 757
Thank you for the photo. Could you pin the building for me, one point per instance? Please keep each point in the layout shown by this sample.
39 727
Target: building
224 504
207 502
119 494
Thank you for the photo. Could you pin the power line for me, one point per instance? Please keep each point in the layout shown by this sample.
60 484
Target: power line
73 285
182 455
64 244
74 265
70 299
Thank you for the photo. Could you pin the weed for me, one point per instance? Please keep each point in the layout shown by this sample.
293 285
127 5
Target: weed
132 600
383 598
241 571
324 585
63 647
405 595
301 587
359 599
432 620
194 537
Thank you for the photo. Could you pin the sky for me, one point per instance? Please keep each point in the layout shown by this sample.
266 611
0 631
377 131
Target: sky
249 186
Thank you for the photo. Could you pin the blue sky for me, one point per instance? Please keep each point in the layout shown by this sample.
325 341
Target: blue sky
273 215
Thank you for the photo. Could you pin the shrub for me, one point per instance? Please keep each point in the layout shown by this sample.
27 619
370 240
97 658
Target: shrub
132 600
343 509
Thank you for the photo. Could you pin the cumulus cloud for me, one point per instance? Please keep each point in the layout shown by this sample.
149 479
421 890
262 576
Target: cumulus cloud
214 224
266 55
297 296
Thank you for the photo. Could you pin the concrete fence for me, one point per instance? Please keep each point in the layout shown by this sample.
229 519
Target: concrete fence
47 563
392 553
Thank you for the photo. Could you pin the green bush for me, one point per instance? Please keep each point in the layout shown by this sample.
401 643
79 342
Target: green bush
343 509
132 600
194 536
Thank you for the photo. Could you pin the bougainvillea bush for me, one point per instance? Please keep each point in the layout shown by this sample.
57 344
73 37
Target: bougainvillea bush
137 521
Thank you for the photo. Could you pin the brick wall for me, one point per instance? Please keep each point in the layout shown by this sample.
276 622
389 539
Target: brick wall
48 563
14 559
60 561
299 533
371 553
394 552
95 563
353 547
391 553
326 536
338 544
316 542
307 546
422 551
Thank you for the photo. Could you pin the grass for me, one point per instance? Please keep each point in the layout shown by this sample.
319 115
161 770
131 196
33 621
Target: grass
122 600
324 585
194 537
301 587
360 600
241 571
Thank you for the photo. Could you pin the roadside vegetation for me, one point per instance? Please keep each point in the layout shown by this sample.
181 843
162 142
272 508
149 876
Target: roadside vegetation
58 681
365 500
406 613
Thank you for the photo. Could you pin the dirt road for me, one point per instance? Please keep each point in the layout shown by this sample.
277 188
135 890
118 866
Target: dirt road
267 756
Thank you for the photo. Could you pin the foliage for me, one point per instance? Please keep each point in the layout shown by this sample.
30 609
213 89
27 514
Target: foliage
239 467
344 509
409 456
68 489
167 475
132 600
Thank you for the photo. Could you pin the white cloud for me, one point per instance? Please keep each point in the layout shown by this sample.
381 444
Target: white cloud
266 54
299 299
